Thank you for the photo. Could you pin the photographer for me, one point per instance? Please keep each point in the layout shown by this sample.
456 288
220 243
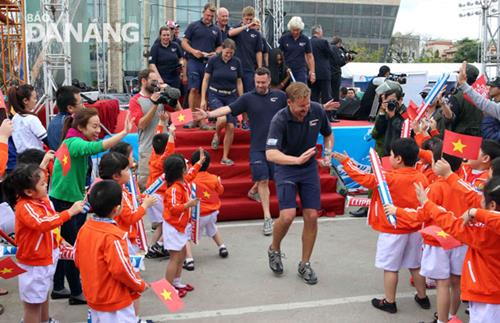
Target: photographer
389 121
145 109
369 95
337 60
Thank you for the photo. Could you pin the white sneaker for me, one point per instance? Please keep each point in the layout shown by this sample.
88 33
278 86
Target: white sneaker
268 227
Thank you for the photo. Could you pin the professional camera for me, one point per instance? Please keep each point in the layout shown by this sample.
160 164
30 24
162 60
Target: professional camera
350 55
168 95
392 105
400 78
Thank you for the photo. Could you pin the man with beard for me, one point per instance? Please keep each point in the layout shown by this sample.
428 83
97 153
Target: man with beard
146 110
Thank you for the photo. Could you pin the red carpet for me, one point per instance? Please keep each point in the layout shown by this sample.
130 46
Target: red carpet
237 179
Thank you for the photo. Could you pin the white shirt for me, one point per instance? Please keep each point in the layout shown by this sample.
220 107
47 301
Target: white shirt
28 132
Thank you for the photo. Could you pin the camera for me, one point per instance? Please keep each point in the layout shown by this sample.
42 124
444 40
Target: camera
350 55
168 95
400 78
392 105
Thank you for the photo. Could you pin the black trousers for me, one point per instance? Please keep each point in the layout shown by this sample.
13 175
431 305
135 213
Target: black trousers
69 231
335 85
321 91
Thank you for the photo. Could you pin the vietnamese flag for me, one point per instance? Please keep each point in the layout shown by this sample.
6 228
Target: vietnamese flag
444 239
206 195
62 155
168 295
181 117
411 112
463 146
9 269
480 87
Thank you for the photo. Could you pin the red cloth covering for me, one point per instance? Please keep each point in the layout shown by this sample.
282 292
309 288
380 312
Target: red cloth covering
108 114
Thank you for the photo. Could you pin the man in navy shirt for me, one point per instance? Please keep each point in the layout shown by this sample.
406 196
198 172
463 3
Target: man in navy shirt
202 39
261 104
321 89
291 146
223 22
296 48
248 46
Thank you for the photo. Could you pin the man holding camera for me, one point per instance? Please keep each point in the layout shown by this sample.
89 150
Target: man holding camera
367 99
145 109
389 121
337 60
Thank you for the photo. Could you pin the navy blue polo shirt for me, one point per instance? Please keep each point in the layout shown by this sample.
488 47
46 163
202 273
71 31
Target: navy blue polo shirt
293 137
294 50
224 32
203 37
261 110
223 76
248 44
166 58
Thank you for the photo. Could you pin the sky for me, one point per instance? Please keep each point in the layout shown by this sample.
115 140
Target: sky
437 19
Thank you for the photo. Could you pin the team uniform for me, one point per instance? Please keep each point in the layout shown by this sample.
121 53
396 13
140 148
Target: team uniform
293 138
294 52
209 202
261 110
477 178
480 283
166 60
223 80
205 38
4 157
109 282
248 44
176 224
399 247
37 247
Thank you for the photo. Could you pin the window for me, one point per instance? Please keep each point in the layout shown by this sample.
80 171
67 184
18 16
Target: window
327 24
390 11
309 7
387 26
345 9
325 8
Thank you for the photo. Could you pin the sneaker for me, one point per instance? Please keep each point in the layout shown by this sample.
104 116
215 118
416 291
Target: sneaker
384 305
215 142
223 253
424 303
60 294
244 125
227 162
275 261
51 320
144 321
156 251
188 265
181 292
268 227
77 300
307 273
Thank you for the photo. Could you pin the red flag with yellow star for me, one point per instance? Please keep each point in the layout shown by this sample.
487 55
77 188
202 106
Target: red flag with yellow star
460 145
62 155
207 195
444 239
168 295
9 269
181 117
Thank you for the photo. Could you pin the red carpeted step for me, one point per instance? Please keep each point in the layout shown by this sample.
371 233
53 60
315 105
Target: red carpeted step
245 209
196 137
238 153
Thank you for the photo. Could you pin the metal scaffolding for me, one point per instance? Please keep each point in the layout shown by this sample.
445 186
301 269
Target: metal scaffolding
272 17
100 47
13 41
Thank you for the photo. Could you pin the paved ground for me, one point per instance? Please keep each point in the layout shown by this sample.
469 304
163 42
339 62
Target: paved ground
241 288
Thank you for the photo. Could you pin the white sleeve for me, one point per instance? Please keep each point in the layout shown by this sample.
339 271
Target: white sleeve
36 127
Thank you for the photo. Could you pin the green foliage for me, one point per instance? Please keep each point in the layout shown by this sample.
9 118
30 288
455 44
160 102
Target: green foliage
467 50
366 55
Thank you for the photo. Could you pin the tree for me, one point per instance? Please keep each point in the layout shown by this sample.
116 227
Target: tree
366 55
467 50
403 48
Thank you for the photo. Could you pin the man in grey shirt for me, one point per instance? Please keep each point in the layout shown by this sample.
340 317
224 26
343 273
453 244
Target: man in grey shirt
146 111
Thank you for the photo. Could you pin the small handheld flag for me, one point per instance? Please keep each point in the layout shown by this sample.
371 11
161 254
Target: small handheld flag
9 269
181 117
383 189
411 112
133 189
463 146
63 156
406 129
168 295
156 185
480 87
444 239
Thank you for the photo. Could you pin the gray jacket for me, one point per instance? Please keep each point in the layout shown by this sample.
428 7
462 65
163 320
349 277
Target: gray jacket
488 107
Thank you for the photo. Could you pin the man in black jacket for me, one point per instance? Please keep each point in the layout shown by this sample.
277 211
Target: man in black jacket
337 60
321 89
367 100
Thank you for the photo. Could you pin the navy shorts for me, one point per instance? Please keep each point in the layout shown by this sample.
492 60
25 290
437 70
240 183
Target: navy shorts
248 81
217 100
172 79
195 71
261 168
291 180
300 75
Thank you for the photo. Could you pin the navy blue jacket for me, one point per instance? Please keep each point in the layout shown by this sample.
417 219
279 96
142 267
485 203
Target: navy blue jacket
490 128
322 56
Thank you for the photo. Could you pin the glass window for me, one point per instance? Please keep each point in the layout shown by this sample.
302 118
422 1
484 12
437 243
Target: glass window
375 29
356 28
364 28
325 8
377 11
390 11
387 26
367 10
309 7
345 9
327 24
358 9
298 7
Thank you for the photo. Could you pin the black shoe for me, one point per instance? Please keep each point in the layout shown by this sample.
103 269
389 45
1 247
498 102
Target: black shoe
60 294
424 303
188 265
360 213
156 251
77 300
223 252
384 305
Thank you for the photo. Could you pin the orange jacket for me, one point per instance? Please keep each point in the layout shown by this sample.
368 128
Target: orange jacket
490 218
4 157
108 278
441 193
176 195
128 218
424 165
209 184
400 183
34 221
481 272
476 178
156 165
465 191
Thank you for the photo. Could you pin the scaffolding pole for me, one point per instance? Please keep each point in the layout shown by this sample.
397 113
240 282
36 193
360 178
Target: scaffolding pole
13 42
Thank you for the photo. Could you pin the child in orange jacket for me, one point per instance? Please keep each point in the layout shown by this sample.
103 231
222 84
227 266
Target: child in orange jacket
163 146
209 187
476 172
480 283
108 279
396 247
177 216
443 266
37 244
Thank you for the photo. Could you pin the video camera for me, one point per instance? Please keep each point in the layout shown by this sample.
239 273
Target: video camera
168 95
400 78
349 54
